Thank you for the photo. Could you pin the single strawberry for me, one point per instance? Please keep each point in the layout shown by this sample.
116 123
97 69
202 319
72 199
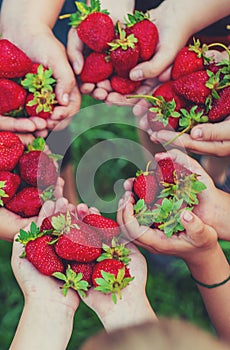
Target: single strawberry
28 201
36 167
106 227
11 149
123 85
193 87
124 53
145 185
12 96
97 67
14 63
145 31
76 241
111 276
9 183
40 104
221 106
189 59
94 26
85 268
168 171
39 251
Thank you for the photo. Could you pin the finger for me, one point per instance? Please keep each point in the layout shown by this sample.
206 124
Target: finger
47 209
39 123
82 210
87 88
212 132
196 231
105 84
61 205
128 184
26 138
58 192
100 94
74 51
17 124
42 133
166 75
63 112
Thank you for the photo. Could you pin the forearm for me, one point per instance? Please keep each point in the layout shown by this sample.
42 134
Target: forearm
195 15
129 314
43 327
211 269
29 13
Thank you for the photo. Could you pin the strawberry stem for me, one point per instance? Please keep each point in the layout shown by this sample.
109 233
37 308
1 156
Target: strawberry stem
221 45
189 127
67 15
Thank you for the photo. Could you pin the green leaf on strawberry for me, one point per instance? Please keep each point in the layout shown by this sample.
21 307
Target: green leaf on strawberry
72 280
25 236
2 192
43 79
115 251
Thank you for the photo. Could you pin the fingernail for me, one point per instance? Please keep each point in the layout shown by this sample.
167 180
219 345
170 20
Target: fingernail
197 133
187 216
65 98
137 74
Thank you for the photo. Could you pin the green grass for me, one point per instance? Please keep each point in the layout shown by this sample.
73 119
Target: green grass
170 290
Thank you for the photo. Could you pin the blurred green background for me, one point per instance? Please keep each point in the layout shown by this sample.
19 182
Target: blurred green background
170 290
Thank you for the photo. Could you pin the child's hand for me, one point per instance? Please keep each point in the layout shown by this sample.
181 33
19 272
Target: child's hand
133 308
213 203
34 285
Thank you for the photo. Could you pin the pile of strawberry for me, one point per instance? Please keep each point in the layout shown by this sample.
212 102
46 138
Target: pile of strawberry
83 254
198 91
27 175
26 88
163 193
111 51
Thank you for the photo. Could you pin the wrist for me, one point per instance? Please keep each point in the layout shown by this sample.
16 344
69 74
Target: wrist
129 312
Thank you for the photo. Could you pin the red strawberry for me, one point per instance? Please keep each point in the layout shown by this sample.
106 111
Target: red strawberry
94 27
146 32
27 202
193 87
14 63
145 186
85 268
39 251
189 59
11 183
12 96
11 149
221 106
96 68
124 53
77 241
168 171
110 276
36 168
124 85
40 104
46 224
106 227
157 125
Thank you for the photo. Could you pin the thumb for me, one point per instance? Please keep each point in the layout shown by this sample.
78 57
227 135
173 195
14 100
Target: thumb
196 231
162 59
212 132
74 51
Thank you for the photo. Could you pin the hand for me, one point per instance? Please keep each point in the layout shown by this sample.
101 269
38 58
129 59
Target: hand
213 203
189 245
134 307
33 284
45 49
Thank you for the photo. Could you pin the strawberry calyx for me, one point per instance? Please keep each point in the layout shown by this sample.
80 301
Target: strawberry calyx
83 11
200 50
115 251
62 223
161 107
3 194
43 100
136 17
111 284
38 144
187 120
48 194
72 280
186 187
25 236
43 79
143 214
123 41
